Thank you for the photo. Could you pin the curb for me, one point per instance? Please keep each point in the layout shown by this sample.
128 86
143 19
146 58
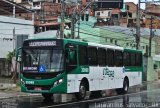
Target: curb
18 96
4 86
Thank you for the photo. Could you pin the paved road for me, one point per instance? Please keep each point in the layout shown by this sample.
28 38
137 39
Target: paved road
147 96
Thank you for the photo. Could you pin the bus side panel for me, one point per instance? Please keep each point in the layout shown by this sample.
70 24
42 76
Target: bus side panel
95 75
73 82
135 78
118 76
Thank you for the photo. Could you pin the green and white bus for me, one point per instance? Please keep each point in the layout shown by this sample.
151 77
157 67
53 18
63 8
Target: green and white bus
50 66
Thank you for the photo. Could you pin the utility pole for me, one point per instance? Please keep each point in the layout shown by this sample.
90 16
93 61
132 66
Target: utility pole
151 35
79 15
62 20
138 26
82 11
78 26
14 70
73 24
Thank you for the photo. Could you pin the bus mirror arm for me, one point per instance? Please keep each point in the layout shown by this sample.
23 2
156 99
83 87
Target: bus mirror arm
19 59
18 56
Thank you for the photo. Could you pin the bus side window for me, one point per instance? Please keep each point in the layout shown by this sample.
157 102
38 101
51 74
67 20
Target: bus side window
101 57
110 57
82 55
118 58
92 56
138 59
133 59
126 59
72 57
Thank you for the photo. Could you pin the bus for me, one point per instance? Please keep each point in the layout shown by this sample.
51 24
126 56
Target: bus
50 66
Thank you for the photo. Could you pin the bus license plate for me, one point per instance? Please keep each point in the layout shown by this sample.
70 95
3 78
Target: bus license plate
38 88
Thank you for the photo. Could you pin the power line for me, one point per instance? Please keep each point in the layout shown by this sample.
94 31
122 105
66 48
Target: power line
108 29
123 39
101 36
106 34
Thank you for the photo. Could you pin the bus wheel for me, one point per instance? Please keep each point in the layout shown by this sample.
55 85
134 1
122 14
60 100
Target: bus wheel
82 91
125 88
47 96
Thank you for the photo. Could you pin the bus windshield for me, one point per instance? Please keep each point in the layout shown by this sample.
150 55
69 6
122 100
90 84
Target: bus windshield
50 60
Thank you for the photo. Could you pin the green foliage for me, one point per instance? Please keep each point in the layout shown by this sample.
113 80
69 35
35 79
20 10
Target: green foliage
9 56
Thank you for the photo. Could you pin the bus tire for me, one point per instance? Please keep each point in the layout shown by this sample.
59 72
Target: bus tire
82 91
125 88
47 96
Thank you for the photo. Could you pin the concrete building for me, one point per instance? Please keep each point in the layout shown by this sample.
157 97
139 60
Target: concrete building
10 28
154 11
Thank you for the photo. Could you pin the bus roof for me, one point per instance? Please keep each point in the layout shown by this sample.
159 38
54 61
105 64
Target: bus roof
132 50
89 43
105 46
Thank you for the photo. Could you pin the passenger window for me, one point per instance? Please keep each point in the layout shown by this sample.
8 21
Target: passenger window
110 57
101 57
92 56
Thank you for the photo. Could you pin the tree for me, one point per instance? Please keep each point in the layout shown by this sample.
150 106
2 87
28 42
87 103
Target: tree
8 60
9 57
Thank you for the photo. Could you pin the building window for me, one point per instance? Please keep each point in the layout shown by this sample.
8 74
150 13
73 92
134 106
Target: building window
111 40
127 44
106 39
109 13
115 42
98 13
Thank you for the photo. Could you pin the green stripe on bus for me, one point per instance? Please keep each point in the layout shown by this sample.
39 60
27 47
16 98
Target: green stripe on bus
132 50
133 69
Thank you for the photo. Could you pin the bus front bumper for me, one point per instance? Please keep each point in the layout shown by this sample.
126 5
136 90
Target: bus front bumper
44 86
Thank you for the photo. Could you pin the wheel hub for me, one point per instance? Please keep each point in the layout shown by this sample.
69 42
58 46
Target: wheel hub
82 91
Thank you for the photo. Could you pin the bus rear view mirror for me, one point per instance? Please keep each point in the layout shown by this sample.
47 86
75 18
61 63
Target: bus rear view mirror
19 58
18 55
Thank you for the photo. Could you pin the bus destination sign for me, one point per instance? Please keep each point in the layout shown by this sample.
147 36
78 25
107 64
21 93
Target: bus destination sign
42 43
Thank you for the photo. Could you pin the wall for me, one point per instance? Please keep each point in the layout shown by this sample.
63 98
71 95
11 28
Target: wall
7 24
152 8
103 14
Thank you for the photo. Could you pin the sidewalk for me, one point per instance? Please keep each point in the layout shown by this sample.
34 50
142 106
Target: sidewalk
6 83
9 90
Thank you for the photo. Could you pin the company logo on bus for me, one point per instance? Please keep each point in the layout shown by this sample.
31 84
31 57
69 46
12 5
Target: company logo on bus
109 73
45 43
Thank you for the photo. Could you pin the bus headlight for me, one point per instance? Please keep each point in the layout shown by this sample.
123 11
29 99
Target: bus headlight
58 82
22 82
61 80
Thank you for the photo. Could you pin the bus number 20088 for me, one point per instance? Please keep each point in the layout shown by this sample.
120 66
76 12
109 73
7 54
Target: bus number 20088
84 70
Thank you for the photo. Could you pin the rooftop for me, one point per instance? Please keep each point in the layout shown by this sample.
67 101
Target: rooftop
6 8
